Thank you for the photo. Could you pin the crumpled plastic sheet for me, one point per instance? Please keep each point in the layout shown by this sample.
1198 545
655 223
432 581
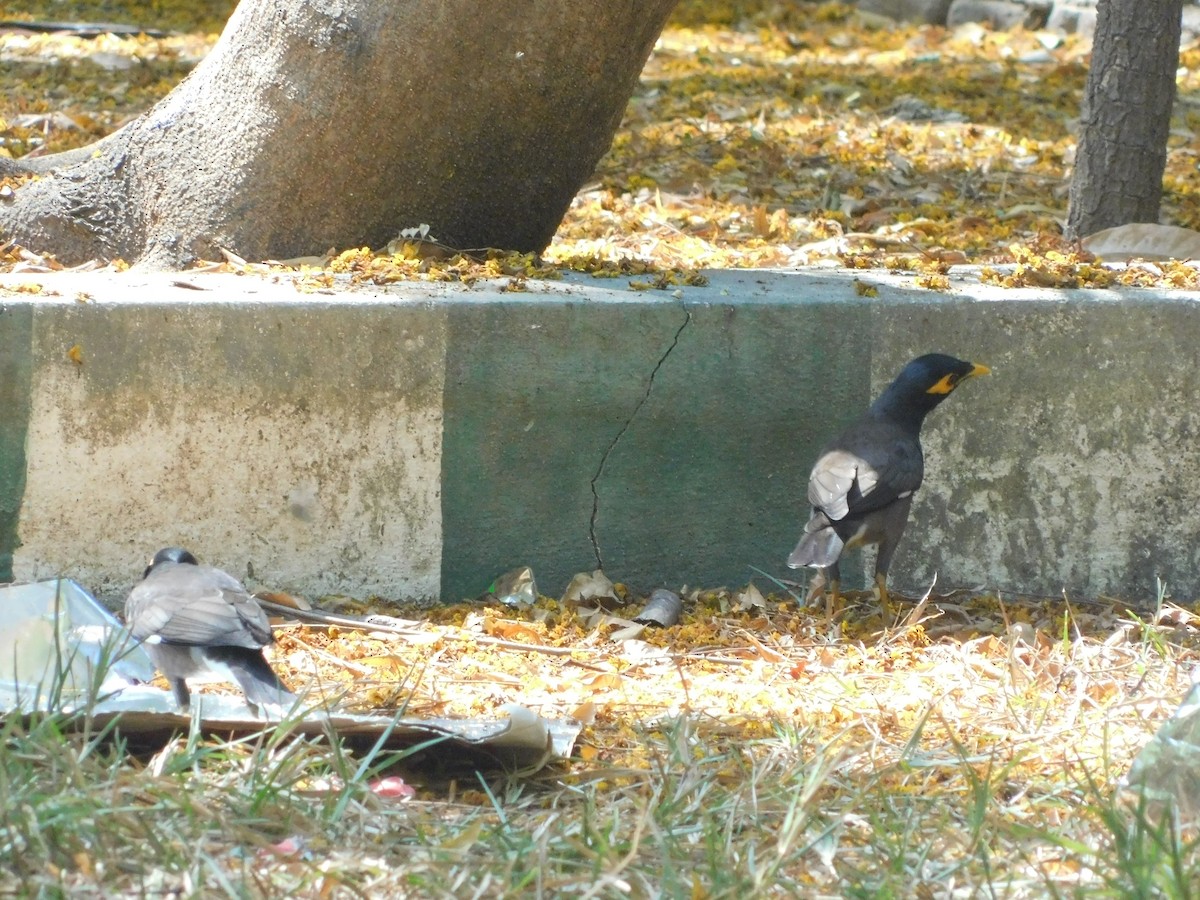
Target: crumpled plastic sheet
61 651
58 647
516 588
1166 773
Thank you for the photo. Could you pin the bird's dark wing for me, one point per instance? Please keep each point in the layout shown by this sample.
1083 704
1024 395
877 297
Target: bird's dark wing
868 466
819 545
196 605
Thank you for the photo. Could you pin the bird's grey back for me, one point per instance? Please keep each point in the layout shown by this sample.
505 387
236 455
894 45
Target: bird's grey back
189 604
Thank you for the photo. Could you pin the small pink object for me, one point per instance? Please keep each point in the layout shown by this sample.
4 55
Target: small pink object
393 788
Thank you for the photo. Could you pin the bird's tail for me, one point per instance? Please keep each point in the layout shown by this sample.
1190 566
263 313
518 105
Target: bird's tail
256 677
819 546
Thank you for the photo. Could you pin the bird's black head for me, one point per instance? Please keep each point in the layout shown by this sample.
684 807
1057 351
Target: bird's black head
171 555
923 384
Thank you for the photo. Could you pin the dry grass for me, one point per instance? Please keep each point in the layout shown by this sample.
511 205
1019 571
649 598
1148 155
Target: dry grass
745 752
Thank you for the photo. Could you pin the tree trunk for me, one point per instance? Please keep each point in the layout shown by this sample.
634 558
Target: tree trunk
1126 115
336 123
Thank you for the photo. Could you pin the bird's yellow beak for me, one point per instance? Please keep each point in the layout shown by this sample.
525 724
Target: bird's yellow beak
980 369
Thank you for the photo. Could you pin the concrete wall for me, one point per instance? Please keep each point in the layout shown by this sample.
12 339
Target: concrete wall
414 442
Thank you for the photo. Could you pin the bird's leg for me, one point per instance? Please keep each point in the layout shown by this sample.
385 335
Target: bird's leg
833 600
881 591
897 519
180 689
884 597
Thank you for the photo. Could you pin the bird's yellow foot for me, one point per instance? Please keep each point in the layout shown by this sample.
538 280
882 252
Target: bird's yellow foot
881 594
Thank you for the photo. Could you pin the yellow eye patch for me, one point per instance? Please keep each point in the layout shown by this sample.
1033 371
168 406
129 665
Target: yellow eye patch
945 386
950 382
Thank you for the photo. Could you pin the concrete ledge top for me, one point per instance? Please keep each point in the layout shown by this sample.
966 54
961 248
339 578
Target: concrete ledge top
416 439
725 285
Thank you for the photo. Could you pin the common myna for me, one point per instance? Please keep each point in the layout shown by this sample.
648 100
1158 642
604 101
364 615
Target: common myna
862 485
198 622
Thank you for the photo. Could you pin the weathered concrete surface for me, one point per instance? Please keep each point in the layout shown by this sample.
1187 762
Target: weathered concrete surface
285 440
416 441
1076 465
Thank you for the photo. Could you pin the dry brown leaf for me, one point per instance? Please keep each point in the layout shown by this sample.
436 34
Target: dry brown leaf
512 631
388 665
1177 617
608 681
749 598
762 651
584 713
294 601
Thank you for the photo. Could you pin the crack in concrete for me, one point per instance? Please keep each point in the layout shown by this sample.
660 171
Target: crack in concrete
687 313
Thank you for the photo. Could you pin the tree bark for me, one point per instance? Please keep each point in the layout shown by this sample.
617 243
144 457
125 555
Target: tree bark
335 123
1126 116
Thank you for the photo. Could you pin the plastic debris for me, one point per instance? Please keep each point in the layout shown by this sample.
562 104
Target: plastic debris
61 651
515 588
663 609
587 586
1166 773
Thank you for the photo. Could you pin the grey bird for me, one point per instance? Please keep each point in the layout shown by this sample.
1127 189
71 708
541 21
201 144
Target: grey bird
198 622
862 484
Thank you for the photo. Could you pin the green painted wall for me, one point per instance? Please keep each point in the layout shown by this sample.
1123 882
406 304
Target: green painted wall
712 475
704 468
16 368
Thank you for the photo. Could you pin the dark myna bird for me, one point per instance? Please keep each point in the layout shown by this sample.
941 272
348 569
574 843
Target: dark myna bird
198 622
863 482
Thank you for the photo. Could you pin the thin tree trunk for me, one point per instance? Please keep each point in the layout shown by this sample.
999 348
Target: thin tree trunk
1126 115
334 123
